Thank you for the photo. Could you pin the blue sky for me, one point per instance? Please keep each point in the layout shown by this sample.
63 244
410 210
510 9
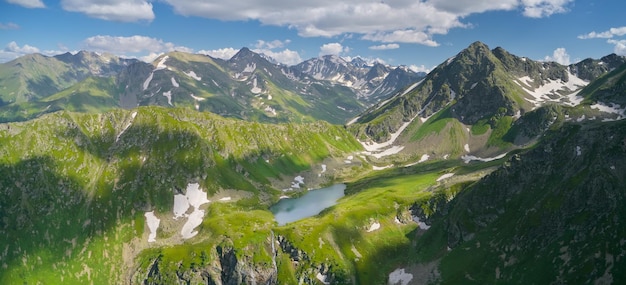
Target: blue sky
420 34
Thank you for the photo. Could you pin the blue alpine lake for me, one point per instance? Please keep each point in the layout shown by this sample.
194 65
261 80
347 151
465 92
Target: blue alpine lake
310 204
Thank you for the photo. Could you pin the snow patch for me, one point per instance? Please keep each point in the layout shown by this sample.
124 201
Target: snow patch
297 181
400 276
255 89
445 176
270 110
353 121
161 64
424 158
322 278
466 147
197 98
195 198
148 80
420 224
578 151
374 226
612 109
250 68
225 199
132 118
549 91
174 83
168 94
382 167
473 85
468 158
153 225
193 75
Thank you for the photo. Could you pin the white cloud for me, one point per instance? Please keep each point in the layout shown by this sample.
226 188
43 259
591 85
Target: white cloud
612 32
261 44
28 3
420 68
113 10
13 51
223 53
385 47
560 56
400 21
620 46
9 26
286 56
25 49
333 48
132 44
544 8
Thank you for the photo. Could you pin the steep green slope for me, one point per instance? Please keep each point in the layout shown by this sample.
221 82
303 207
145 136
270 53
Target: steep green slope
76 187
92 95
36 76
551 215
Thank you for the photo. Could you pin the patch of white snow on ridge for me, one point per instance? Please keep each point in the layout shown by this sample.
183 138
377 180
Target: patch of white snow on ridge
255 89
399 276
250 67
424 157
174 83
578 151
353 121
161 64
193 75
168 94
390 151
197 98
132 118
195 197
473 85
549 92
148 80
445 176
297 181
322 278
420 224
374 167
181 205
466 147
468 158
153 224
225 199
374 226
613 109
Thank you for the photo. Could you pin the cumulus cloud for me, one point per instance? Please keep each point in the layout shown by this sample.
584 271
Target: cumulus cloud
544 8
12 51
560 56
261 44
612 32
28 3
286 56
333 49
113 10
382 21
385 47
223 53
9 26
123 46
420 68
620 46
25 49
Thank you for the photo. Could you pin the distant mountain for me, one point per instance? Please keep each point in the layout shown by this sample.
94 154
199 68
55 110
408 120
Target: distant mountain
35 76
468 104
247 86
372 82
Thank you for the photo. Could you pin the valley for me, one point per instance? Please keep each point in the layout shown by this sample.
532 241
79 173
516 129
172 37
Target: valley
491 168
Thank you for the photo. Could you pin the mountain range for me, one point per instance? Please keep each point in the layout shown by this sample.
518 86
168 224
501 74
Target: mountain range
492 168
247 86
